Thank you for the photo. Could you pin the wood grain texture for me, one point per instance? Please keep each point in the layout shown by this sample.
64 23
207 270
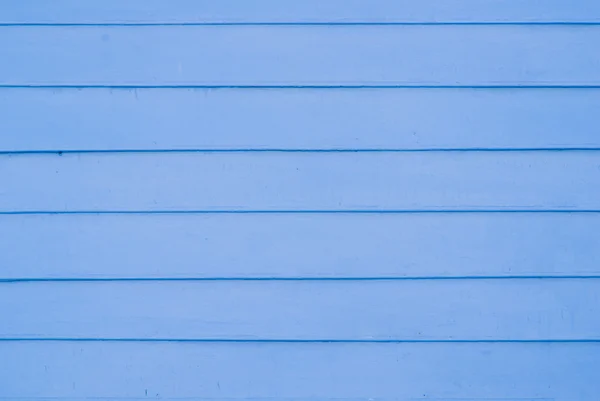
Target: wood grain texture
154 119
535 309
301 181
261 372
298 245
240 11
300 55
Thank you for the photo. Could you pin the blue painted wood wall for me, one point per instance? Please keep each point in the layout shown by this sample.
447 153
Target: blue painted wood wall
300 200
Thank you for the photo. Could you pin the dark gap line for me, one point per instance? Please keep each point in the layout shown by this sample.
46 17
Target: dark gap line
414 211
299 86
301 23
293 341
301 150
385 278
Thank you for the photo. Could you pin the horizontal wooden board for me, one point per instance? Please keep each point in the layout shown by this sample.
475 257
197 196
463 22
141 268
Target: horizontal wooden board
300 181
298 245
535 309
300 372
300 55
151 119
241 11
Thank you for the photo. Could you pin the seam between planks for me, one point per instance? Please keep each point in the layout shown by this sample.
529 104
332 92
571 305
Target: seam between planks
307 278
406 211
294 341
303 23
297 86
60 152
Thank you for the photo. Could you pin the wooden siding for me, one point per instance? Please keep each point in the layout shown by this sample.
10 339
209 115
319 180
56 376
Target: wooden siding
311 200
295 55
289 12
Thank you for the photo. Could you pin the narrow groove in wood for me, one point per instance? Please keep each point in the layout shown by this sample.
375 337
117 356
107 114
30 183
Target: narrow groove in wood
294 86
388 278
307 23
292 341
299 150
314 211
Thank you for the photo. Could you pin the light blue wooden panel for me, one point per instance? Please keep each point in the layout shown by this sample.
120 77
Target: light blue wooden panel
535 309
301 372
301 181
299 245
300 55
502 338
150 119
210 11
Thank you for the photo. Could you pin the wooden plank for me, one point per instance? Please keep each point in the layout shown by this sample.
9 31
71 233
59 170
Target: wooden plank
311 11
298 245
275 181
300 372
534 309
151 119
300 55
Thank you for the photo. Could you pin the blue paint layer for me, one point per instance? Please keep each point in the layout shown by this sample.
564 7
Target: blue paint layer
302 181
333 120
300 371
312 200
299 246
307 11
292 56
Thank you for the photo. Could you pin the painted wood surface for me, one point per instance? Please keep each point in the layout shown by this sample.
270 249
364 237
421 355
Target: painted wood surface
301 56
354 245
301 181
318 200
535 309
261 371
397 119
308 11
